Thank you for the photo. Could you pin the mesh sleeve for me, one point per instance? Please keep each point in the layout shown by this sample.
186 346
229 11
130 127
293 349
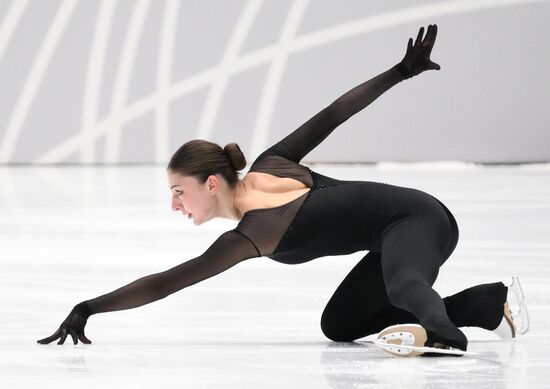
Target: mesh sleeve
310 134
229 249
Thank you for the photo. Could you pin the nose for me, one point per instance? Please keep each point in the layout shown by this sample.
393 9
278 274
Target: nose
175 205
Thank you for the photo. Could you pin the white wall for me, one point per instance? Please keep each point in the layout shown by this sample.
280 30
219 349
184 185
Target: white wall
129 81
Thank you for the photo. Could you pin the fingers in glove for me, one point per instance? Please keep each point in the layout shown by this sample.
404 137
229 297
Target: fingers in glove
430 37
427 38
63 336
51 338
84 339
435 66
433 35
409 45
73 335
419 37
430 40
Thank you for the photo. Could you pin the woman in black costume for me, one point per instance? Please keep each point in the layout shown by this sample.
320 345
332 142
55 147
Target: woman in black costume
292 214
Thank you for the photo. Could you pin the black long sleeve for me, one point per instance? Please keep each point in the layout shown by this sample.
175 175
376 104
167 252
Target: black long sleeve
310 134
229 249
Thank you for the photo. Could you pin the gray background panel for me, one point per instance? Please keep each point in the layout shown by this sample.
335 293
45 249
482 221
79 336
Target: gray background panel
487 104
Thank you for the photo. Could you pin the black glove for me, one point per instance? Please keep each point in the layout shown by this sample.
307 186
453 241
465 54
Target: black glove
417 58
73 325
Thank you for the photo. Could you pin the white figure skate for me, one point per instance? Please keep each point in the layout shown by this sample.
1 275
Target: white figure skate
409 340
516 319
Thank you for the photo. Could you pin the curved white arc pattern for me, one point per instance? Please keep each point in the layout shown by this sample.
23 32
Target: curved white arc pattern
236 41
274 76
164 72
100 128
395 18
34 78
122 78
9 23
258 57
94 76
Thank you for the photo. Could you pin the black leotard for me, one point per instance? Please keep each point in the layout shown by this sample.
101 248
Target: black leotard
409 234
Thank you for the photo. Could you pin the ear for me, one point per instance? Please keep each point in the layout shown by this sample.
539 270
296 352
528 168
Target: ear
213 183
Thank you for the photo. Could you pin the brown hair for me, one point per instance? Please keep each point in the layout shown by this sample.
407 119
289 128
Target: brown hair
201 158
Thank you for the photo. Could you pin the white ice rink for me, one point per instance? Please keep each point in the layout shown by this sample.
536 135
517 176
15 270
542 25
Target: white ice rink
74 233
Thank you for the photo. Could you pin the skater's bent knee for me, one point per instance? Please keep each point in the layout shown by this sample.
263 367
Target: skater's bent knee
335 332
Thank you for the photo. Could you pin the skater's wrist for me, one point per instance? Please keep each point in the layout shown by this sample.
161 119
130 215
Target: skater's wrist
83 309
403 71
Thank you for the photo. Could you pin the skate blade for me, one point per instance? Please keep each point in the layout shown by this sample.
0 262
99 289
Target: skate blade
518 307
402 349
393 339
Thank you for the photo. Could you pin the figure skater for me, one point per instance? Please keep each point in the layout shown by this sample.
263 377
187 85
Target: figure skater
292 214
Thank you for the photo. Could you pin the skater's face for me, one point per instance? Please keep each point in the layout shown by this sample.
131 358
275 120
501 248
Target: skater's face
192 198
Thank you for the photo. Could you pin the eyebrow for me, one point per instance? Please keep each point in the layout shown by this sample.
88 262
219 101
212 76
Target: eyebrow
173 186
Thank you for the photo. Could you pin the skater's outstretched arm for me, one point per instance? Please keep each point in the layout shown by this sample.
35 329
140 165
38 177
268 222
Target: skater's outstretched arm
229 249
309 135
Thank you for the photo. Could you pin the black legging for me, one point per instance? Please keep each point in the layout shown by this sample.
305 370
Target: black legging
384 288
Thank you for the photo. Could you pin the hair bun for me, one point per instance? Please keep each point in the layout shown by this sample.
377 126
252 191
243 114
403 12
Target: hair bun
235 156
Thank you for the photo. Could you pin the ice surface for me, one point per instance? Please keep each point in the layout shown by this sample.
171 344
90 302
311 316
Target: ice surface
73 233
